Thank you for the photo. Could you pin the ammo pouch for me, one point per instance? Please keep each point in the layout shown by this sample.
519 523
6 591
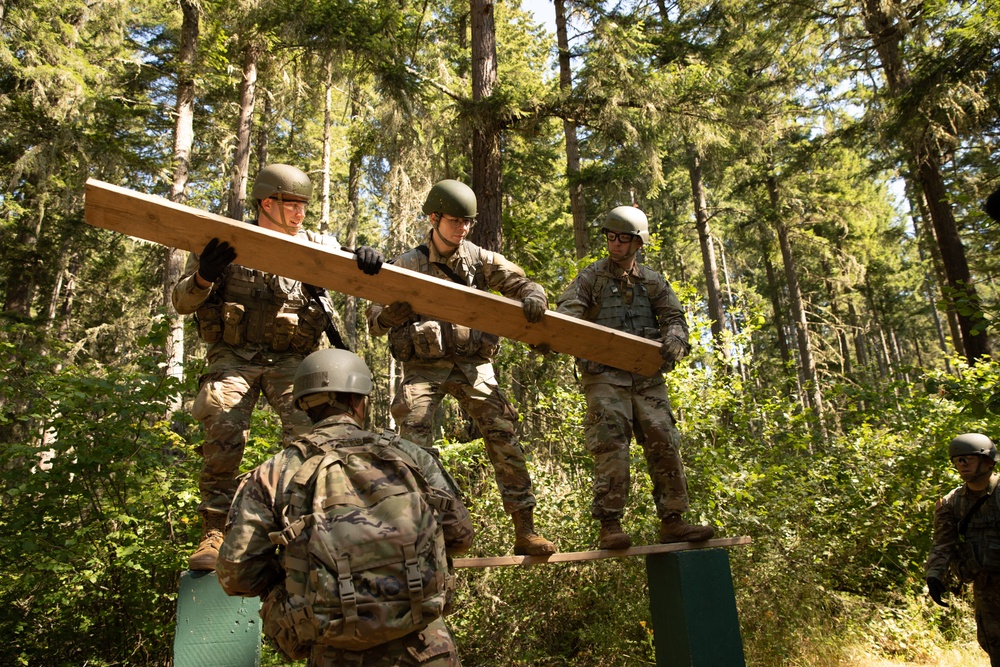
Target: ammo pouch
978 557
209 318
430 339
401 343
283 329
234 326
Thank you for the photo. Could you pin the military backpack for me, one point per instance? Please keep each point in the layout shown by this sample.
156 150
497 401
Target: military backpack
362 548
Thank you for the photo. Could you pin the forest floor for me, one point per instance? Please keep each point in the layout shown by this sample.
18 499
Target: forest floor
964 655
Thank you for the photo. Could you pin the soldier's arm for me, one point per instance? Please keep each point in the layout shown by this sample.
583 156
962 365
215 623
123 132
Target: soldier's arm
188 295
248 564
576 299
945 543
668 309
506 277
456 522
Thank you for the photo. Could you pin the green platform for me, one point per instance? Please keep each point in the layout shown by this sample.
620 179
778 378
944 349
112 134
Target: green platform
213 629
693 608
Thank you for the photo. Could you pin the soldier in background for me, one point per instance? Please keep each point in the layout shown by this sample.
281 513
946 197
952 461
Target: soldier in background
258 326
967 536
333 386
442 358
620 293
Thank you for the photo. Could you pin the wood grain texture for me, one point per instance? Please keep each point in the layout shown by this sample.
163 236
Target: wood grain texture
578 556
159 220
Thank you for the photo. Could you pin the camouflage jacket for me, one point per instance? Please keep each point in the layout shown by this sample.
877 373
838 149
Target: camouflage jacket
248 563
468 349
581 299
979 550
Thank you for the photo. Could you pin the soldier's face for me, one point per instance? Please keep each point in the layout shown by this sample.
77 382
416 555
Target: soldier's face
284 216
623 251
972 466
454 230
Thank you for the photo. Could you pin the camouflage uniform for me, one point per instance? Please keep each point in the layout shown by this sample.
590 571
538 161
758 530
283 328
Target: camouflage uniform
259 326
620 403
249 565
975 558
441 358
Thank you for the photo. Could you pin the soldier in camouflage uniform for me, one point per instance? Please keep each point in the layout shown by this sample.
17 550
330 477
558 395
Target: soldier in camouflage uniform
442 358
258 327
248 564
967 536
620 293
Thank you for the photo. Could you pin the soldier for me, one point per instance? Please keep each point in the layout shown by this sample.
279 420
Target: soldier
967 536
258 327
442 358
332 386
620 293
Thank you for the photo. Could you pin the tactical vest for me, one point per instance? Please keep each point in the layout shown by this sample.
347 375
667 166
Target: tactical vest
608 308
428 339
361 545
253 307
979 549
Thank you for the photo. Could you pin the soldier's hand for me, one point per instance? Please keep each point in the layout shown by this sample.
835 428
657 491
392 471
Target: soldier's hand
395 314
541 348
935 589
673 349
213 260
369 259
534 307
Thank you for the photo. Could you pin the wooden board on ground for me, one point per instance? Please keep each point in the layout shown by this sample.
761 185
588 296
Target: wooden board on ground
577 556
162 221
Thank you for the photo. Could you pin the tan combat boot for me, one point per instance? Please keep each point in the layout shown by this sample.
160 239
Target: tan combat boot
203 560
526 541
674 529
612 535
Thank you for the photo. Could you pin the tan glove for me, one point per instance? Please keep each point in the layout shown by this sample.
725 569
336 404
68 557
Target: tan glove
395 314
534 307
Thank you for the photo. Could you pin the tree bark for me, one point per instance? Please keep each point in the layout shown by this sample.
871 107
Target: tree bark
241 154
581 242
173 259
709 266
487 173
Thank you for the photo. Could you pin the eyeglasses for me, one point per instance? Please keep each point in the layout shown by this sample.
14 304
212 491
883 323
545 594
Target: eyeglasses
619 236
299 206
459 222
963 460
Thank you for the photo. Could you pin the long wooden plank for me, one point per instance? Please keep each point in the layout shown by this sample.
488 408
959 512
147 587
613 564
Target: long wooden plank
162 221
577 556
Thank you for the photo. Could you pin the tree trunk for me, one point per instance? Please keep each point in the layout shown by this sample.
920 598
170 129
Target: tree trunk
779 318
487 174
581 241
807 363
351 233
324 216
711 270
173 259
887 34
241 155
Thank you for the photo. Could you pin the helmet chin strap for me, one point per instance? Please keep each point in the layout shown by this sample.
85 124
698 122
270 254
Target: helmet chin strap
440 237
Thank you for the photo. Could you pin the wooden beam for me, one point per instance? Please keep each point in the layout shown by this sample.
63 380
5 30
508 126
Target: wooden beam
577 556
177 226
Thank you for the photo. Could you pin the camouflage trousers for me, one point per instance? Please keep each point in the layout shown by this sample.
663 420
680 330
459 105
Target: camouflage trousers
986 596
433 646
614 414
229 391
418 400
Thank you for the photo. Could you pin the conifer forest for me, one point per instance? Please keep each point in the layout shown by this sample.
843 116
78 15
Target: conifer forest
814 174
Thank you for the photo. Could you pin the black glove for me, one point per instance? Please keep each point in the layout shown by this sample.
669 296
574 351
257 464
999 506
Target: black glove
214 259
534 307
541 348
673 349
369 259
935 588
395 314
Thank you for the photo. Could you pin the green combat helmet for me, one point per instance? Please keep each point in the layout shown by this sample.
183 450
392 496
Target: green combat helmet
973 443
332 371
629 220
280 180
452 198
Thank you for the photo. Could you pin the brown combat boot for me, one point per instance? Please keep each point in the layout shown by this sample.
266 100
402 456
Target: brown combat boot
612 535
203 560
674 529
526 541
